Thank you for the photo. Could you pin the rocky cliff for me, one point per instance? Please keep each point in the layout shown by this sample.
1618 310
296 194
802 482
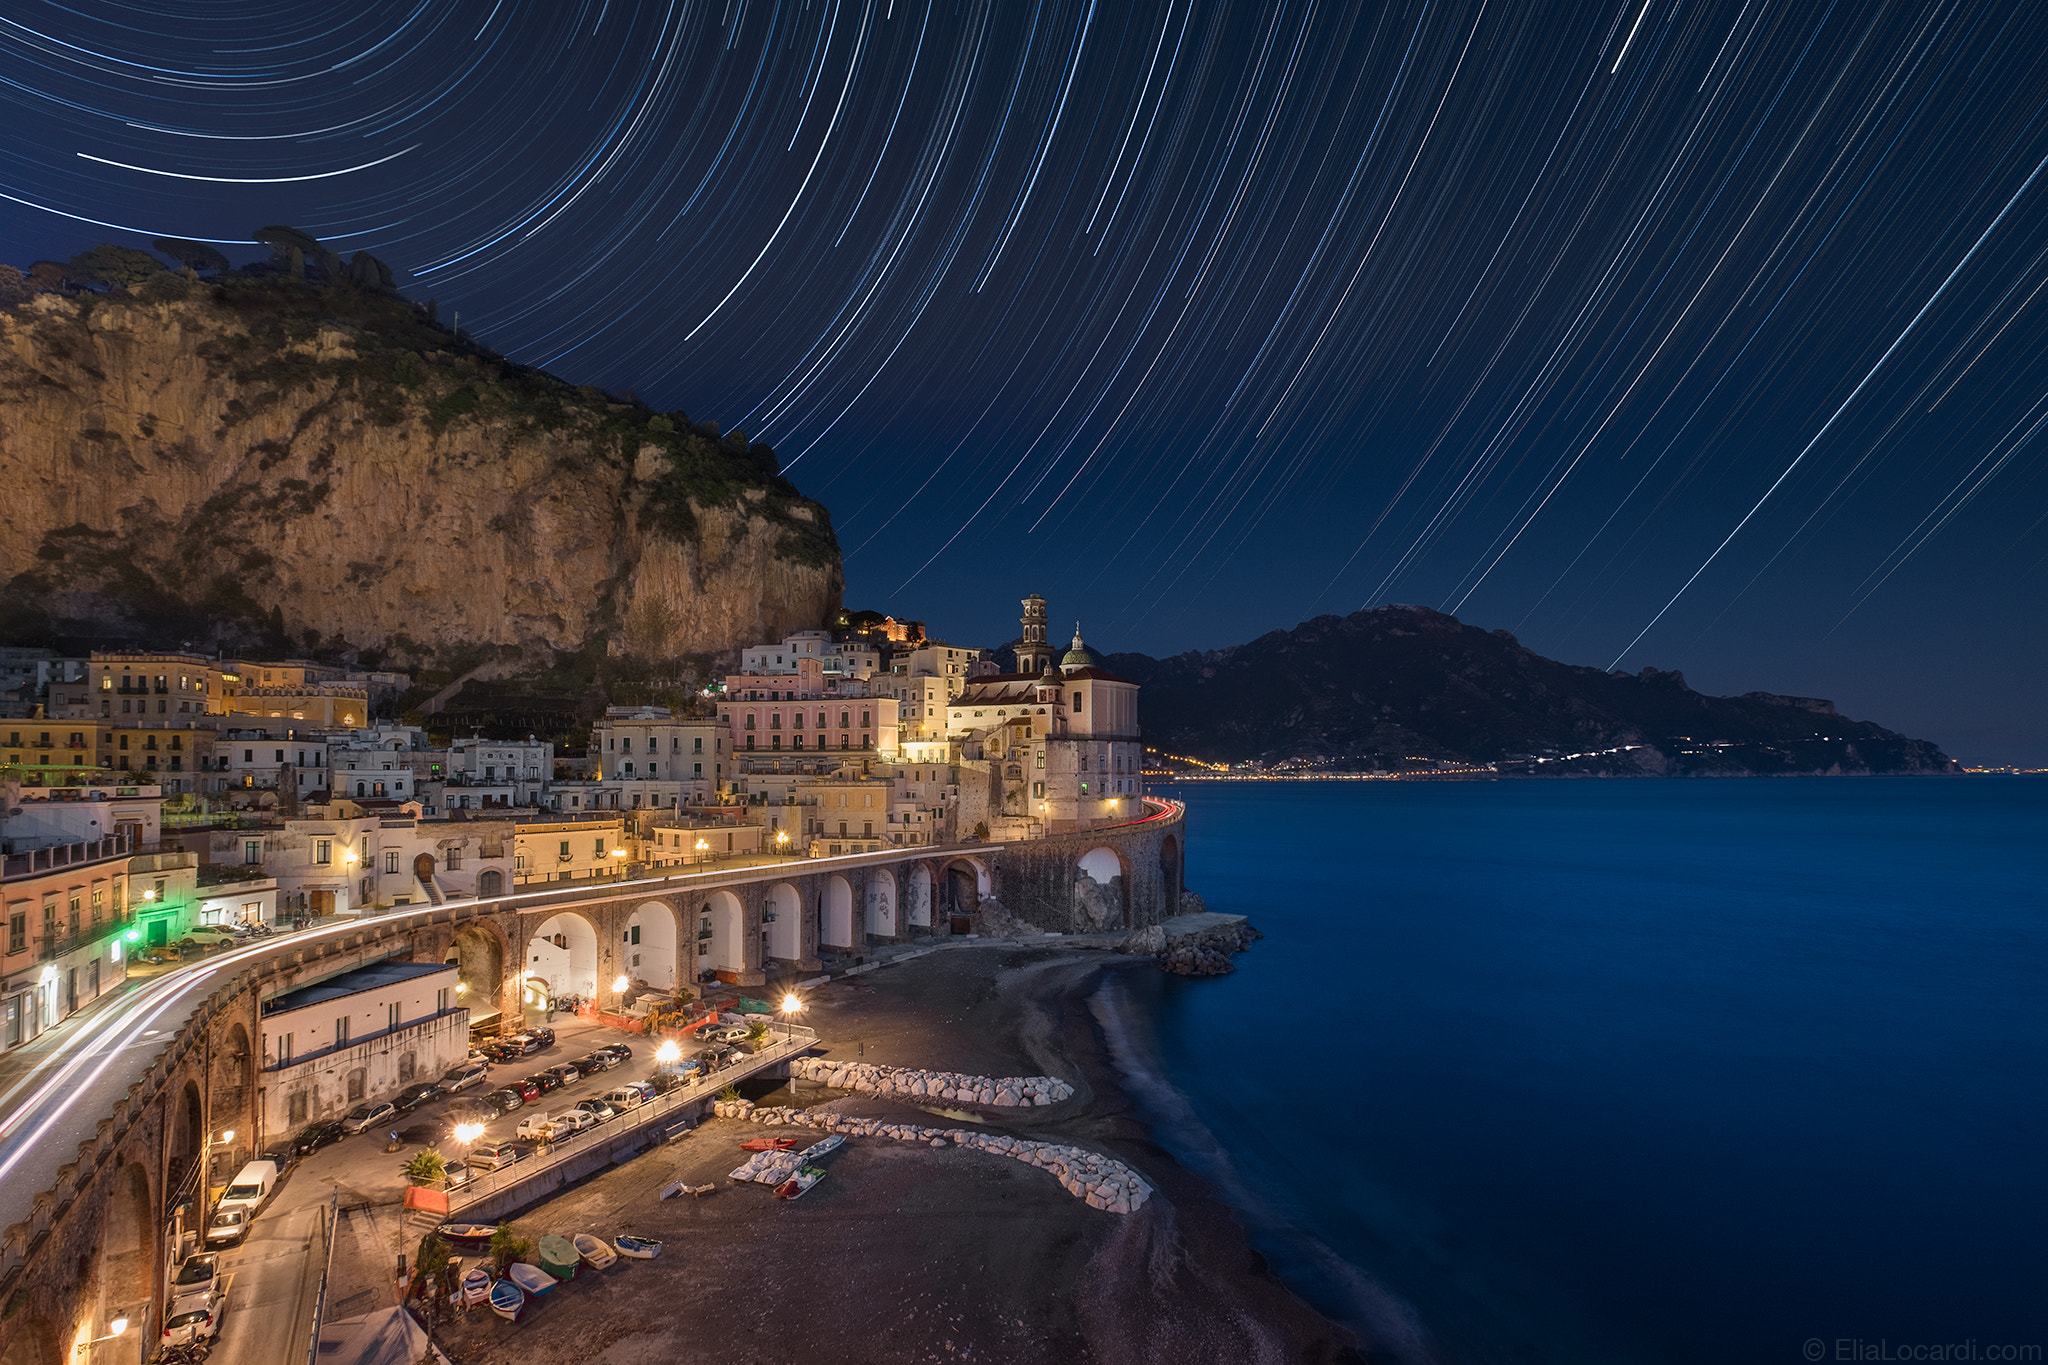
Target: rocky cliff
258 462
1400 688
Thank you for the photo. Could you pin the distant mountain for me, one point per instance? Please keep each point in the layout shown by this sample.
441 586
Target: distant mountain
1399 688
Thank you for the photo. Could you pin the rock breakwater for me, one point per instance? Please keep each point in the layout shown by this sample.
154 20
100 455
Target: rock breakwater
869 1079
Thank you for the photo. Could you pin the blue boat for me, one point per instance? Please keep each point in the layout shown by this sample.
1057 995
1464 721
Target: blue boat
507 1300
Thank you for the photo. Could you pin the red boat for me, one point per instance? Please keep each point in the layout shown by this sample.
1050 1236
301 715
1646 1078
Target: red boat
768 1144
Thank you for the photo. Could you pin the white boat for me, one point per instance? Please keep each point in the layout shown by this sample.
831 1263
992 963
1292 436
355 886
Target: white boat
466 1232
595 1251
639 1248
798 1185
476 1285
831 1143
531 1278
507 1300
680 1187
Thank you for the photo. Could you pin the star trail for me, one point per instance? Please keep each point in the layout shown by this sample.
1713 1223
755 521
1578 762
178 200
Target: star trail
1698 334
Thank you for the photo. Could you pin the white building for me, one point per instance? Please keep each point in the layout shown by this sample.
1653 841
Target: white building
851 660
362 1035
485 772
936 659
645 758
279 760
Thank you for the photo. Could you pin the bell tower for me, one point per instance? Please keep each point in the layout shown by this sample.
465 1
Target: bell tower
1034 655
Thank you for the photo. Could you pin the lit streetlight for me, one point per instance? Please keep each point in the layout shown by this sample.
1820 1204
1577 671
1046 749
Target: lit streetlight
791 1007
466 1133
668 1054
115 1328
782 841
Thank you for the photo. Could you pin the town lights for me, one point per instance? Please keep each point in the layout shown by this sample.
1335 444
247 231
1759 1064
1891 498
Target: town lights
668 1054
791 1007
114 1329
620 983
149 895
348 855
466 1133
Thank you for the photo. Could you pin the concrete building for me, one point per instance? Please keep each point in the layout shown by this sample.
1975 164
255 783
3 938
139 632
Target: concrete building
163 686
483 773
805 713
234 895
65 907
568 848
364 1034
643 745
666 841
853 660
283 762
936 659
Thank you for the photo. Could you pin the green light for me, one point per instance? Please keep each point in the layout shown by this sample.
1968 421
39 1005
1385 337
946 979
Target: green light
134 935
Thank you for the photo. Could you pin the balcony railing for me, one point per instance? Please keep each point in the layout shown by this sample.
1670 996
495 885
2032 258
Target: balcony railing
50 949
41 860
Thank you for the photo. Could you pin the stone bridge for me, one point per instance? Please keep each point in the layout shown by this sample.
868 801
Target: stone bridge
101 1243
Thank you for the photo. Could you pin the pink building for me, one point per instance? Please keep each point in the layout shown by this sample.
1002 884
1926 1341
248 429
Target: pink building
801 712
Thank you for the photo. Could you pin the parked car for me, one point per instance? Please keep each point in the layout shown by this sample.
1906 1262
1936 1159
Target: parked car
661 1082
198 1323
501 1051
456 1174
595 1062
427 1132
725 1033
546 1036
413 1096
525 1090
624 1097
574 1120
284 1156
537 1128
645 1089
547 1081
210 935
196 1279
597 1109
312 1138
620 1050
464 1076
505 1100
494 1154
228 1227
368 1115
566 1072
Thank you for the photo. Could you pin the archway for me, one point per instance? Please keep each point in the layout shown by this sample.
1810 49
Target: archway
127 1260
479 959
228 1100
563 953
490 882
835 926
650 946
881 904
423 868
917 899
784 931
34 1344
1101 891
1169 873
725 920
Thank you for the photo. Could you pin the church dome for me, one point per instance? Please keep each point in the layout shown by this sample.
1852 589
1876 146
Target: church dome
1080 656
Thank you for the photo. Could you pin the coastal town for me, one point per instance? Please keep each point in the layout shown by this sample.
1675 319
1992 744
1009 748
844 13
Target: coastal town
400 929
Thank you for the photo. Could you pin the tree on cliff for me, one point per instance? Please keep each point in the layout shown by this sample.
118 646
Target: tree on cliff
283 241
108 266
197 255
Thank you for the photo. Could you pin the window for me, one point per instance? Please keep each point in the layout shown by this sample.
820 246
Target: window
565 848
17 932
390 861
454 860
391 1015
341 1034
323 850
441 1001
698 748
597 848
284 1057
358 1084
252 850
99 904
700 769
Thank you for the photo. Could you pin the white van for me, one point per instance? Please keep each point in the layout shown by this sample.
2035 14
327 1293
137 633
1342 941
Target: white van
250 1187
624 1098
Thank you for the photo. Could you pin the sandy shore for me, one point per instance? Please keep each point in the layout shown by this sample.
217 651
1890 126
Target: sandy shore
910 1253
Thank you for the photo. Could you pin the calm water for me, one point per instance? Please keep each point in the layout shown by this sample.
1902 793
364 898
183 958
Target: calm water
1628 1071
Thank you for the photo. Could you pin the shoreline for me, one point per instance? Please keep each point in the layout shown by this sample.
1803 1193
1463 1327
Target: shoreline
909 1253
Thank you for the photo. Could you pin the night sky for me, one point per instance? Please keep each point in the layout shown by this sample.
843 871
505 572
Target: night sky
1709 336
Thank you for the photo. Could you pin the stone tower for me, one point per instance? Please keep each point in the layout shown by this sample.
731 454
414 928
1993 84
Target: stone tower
1034 655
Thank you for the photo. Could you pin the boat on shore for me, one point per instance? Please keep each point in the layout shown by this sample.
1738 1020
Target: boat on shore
467 1234
558 1257
798 1185
595 1251
639 1248
507 1300
476 1285
768 1144
530 1278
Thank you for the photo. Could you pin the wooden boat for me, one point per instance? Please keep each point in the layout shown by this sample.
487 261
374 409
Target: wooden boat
476 1285
530 1278
768 1144
639 1248
799 1184
507 1300
467 1233
595 1251
558 1257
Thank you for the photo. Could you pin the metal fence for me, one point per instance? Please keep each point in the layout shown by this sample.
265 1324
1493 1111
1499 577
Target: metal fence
780 1049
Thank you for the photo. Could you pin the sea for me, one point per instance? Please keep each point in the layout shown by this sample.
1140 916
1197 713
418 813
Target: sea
1630 1071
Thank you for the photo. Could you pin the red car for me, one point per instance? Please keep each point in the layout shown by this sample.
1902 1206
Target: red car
528 1091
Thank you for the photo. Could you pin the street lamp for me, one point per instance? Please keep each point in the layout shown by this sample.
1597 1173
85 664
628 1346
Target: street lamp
115 1328
668 1054
620 853
791 1006
782 841
703 849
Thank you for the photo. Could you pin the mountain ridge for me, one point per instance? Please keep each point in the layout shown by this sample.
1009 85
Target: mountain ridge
1404 688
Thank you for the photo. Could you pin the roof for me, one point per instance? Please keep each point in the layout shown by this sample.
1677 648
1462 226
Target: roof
1097 675
354 982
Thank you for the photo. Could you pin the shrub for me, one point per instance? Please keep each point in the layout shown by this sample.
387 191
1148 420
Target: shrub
426 1167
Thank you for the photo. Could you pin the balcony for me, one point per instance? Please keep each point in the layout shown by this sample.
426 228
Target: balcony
41 860
50 949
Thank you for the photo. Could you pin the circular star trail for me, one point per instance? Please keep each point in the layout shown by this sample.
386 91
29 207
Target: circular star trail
1704 333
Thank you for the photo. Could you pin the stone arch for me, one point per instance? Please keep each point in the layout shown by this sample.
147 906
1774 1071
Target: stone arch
835 924
188 1133
1102 891
1170 873
230 1095
358 1084
562 951
490 882
34 1344
127 1249
966 882
478 952
783 934
917 897
653 946
725 919
423 868
880 921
